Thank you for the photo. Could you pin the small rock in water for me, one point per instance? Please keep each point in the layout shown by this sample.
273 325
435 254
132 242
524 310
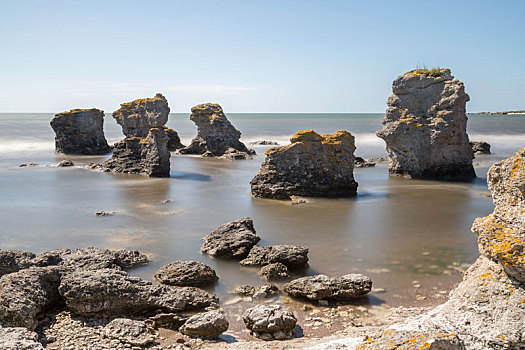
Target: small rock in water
298 200
264 143
105 213
361 163
65 163
28 165
263 291
274 271
186 273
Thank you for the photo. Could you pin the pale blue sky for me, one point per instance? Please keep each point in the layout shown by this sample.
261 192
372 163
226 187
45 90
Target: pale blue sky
254 56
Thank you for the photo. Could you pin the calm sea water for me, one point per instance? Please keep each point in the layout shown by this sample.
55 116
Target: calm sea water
396 231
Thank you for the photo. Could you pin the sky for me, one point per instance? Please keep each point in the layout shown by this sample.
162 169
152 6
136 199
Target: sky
254 56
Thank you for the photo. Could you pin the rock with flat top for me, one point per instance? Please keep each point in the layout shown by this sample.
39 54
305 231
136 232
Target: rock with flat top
186 273
321 287
289 255
232 240
209 324
312 165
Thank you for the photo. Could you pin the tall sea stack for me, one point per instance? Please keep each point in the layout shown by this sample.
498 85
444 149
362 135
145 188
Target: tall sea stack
425 127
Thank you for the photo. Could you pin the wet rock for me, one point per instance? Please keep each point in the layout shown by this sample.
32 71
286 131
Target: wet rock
296 200
14 260
480 147
264 143
215 135
27 165
209 324
25 294
274 271
270 322
321 287
233 154
111 292
425 127
311 166
501 235
232 240
65 163
132 332
80 131
149 155
260 292
173 140
105 213
168 320
19 338
186 273
361 163
290 255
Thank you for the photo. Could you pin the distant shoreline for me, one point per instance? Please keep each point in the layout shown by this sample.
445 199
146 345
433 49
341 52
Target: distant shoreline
522 112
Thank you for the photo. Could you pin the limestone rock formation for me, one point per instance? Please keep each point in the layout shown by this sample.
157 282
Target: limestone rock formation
19 338
289 255
14 260
232 240
321 287
147 155
425 127
110 292
186 273
173 140
209 324
216 136
274 271
480 147
80 131
311 166
270 322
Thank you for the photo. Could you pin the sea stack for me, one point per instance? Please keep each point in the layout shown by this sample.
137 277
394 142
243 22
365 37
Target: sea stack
80 131
425 127
216 136
312 165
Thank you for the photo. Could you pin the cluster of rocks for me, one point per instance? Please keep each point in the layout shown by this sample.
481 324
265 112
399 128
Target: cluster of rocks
312 165
425 127
216 136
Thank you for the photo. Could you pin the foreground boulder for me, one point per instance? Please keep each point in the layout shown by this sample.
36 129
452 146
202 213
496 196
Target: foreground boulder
19 338
216 136
110 292
186 273
209 324
291 256
311 166
80 131
25 294
425 127
14 260
149 155
480 147
232 240
321 287
270 322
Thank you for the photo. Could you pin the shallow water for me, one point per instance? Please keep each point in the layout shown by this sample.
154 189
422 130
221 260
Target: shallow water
397 230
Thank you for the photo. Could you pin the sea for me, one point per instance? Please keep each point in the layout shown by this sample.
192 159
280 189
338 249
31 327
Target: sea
412 237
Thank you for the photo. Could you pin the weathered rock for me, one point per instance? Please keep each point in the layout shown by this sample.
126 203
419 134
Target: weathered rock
27 293
209 324
215 134
311 166
147 155
321 287
65 163
232 240
173 140
290 255
19 338
105 213
425 127
361 163
129 331
139 116
110 292
480 147
410 340
264 143
270 322
14 260
80 131
274 271
260 292
186 273
169 320
501 235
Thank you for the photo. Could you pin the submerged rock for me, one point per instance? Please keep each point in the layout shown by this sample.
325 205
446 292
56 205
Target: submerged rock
270 322
232 240
311 166
290 255
80 131
209 324
110 292
216 136
132 332
186 273
425 127
480 147
149 155
274 271
321 287
260 292
19 338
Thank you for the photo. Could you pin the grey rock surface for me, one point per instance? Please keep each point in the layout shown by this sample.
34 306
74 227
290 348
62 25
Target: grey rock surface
133 332
173 140
14 260
270 322
274 271
209 324
291 256
312 165
259 292
186 273
425 127
480 147
80 131
19 338
232 240
321 287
